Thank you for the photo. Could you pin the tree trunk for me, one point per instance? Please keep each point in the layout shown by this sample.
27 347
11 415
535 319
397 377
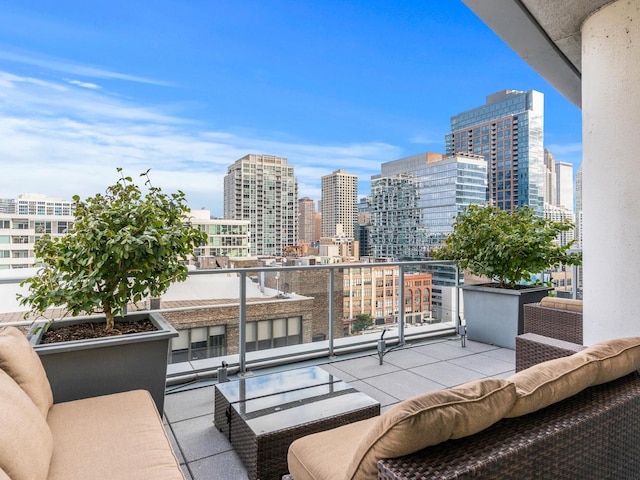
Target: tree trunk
109 316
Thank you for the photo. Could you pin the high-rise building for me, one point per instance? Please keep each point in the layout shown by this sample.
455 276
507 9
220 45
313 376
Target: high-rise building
550 189
339 201
564 185
363 230
397 229
508 132
306 222
263 190
416 200
24 220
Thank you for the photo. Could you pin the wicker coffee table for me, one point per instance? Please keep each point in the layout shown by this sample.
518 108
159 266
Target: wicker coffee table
262 415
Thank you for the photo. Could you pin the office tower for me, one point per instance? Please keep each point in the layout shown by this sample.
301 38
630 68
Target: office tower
306 222
263 190
339 200
23 220
549 178
442 187
363 230
508 132
564 185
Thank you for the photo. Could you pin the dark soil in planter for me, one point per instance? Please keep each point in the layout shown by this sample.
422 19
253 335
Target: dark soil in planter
517 286
83 331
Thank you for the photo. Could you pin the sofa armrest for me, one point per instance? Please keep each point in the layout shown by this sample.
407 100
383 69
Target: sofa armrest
552 322
532 349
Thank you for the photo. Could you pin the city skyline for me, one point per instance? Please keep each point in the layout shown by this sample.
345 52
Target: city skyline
187 90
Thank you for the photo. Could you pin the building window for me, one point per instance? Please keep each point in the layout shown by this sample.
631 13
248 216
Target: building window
199 343
21 224
280 332
42 227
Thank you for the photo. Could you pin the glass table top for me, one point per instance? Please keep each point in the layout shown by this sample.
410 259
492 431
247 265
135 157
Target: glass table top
272 402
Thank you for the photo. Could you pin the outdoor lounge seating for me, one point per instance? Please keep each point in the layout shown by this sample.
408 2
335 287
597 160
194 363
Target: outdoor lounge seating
119 436
571 417
552 329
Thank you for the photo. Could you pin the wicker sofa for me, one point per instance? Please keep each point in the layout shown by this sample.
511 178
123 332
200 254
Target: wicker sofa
111 437
571 417
552 329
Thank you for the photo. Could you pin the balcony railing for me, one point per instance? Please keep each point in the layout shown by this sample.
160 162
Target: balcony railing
251 318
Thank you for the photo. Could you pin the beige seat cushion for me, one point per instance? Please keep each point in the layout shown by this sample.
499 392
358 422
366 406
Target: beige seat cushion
22 363
429 419
550 382
615 358
562 304
25 439
325 455
112 437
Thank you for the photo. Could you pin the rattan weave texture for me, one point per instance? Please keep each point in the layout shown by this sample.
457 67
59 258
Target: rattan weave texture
532 349
594 435
552 322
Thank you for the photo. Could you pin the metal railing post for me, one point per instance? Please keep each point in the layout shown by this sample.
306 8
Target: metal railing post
460 328
242 327
401 306
331 287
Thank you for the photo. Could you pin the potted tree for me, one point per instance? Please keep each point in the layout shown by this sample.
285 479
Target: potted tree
507 248
125 246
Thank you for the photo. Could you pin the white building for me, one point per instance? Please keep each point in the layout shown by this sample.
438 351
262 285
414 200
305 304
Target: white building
263 190
564 185
339 204
227 239
559 213
24 220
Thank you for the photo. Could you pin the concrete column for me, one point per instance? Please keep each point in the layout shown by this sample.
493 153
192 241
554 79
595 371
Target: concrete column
611 171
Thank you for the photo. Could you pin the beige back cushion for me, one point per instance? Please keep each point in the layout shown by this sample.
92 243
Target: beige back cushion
22 363
26 444
550 382
429 419
615 358
562 304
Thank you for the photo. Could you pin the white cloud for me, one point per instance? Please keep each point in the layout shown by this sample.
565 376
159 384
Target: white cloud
567 152
89 85
65 66
564 149
63 141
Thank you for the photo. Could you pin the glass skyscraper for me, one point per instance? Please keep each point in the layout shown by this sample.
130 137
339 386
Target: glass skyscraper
415 200
508 132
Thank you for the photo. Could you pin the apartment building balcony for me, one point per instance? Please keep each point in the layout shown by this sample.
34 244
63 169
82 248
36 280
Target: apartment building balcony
416 357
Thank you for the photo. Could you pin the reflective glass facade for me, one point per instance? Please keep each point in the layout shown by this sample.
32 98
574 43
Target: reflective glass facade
415 200
508 132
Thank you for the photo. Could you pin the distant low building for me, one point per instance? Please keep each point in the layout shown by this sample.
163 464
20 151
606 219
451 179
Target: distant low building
23 220
226 239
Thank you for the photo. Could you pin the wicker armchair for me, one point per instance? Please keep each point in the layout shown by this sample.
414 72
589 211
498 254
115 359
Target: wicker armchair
552 329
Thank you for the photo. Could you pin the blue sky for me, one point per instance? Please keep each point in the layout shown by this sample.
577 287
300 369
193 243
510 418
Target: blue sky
185 88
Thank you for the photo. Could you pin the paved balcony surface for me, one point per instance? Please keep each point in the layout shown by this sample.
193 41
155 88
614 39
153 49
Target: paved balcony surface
205 453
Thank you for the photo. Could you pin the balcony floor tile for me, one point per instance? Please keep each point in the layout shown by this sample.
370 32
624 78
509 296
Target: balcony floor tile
407 371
